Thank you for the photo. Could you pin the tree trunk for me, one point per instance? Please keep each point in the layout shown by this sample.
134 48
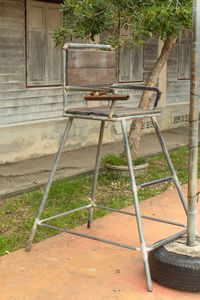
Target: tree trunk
136 125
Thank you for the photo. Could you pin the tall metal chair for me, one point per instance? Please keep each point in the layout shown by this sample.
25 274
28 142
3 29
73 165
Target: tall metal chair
93 71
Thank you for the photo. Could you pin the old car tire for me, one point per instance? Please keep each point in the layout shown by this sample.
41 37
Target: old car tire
175 270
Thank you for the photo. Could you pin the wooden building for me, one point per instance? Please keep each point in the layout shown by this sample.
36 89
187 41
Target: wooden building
31 101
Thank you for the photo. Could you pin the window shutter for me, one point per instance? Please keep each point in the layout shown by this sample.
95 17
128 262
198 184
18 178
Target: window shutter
184 55
130 64
54 55
44 61
36 44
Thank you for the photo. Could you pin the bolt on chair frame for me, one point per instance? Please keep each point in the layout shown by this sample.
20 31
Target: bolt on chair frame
111 117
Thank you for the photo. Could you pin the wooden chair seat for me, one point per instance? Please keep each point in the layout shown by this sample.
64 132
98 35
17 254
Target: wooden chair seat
104 111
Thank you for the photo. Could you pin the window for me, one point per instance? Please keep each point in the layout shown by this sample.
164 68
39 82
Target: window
44 61
184 51
130 64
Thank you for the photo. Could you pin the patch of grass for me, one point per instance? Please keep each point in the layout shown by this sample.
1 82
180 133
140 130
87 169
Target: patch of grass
17 214
120 160
113 159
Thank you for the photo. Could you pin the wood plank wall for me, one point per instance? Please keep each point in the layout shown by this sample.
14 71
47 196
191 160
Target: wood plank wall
146 63
178 72
17 102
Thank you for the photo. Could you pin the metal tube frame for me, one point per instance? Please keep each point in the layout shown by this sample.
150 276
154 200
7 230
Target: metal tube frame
193 126
142 216
81 45
49 183
169 162
144 249
137 209
113 119
96 172
39 222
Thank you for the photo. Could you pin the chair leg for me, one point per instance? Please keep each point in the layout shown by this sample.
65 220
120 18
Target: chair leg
169 162
137 208
96 172
33 231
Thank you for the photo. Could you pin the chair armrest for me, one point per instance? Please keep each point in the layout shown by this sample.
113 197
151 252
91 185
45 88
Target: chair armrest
140 87
88 88
106 97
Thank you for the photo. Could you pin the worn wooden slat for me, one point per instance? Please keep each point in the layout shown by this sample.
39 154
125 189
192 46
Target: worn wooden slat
29 102
9 62
178 86
10 33
11 41
105 110
89 76
6 78
176 99
90 67
12 86
12 70
11 52
90 59
12 22
18 110
29 117
106 97
32 93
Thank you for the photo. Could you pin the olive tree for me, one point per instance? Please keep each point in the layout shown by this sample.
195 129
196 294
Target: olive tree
141 19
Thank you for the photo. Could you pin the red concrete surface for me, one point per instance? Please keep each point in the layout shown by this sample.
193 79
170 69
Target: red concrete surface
76 268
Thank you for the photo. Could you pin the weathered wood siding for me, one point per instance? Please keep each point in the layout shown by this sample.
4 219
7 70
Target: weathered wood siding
130 65
178 72
17 102
86 67
136 73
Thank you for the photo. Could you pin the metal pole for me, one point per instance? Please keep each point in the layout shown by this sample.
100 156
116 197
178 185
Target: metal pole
49 183
81 45
96 172
137 208
169 162
193 126
64 79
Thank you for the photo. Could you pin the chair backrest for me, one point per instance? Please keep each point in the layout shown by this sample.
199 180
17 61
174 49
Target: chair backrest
87 65
90 67
96 67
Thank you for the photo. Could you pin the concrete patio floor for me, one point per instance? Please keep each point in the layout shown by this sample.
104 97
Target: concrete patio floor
75 268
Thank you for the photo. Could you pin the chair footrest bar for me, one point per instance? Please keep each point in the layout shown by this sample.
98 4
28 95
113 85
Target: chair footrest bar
144 217
92 237
143 185
167 240
63 214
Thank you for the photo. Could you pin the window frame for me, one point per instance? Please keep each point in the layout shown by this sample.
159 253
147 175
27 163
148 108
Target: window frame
130 81
26 49
179 77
